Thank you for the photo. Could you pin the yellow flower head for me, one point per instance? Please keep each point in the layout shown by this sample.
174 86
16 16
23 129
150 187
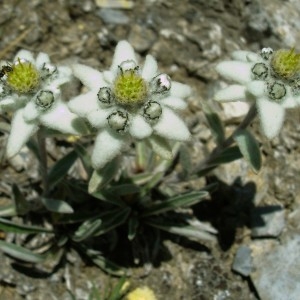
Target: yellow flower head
286 63
142 293
23 78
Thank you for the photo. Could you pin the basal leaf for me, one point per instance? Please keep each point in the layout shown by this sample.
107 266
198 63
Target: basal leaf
9 226
57 206
174 202
61 168
183 230
21 253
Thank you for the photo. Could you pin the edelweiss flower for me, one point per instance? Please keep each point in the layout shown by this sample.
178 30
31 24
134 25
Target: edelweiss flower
128 102
31 88
269 78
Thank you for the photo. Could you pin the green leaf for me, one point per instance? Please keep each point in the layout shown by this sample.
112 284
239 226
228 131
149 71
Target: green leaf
103 263
123 189
61 168
227 156
117 293
9 226
133 225
185 200
142 155
22 206
103 176
112 220
57 206
185 160
109 198
85 158
21 253
87 229
8 211
214 123
249 148
156 178
161 147
183 230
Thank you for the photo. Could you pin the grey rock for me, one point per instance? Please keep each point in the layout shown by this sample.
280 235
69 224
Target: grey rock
267 221
277 273
141 38
243 261
112 16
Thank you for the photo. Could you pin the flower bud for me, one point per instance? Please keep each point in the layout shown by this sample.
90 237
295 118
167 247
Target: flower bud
118 121
44 99
105 95
260 71
161 83
152 111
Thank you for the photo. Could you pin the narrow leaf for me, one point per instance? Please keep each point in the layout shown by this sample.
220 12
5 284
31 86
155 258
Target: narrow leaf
87 229
61 168
183 230
214 123
21 253
185 200
103 176
227 156
107 265
249 148
112 220
10 226
133 225
123 189
185 160
8 211
57 206
22 206
161 147
85 158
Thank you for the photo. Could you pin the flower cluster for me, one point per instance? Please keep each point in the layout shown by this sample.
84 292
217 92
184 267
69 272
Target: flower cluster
30 88
271 78
128 102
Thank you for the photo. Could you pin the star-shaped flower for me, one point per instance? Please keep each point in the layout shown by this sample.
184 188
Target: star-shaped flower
128 102
269 78
31 89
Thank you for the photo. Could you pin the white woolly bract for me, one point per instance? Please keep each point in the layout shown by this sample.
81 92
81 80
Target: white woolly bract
107 146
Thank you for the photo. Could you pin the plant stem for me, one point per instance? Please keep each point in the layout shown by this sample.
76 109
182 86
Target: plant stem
228 142
43 160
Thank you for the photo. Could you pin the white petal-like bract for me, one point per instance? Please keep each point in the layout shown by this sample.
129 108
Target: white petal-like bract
174 103
89 76
271 116
234 92
150 68
24 54
139 128
107 146
237 71
123 52
171 126
180 90
84 104
98 118
20 133
41 59
60 118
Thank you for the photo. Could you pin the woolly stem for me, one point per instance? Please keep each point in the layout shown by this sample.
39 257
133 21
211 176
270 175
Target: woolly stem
41 140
